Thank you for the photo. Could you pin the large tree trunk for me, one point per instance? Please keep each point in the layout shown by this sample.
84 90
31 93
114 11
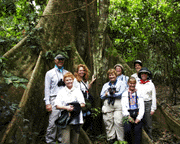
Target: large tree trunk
62 24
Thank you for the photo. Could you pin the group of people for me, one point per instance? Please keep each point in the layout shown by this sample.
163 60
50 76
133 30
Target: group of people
68 101
128 103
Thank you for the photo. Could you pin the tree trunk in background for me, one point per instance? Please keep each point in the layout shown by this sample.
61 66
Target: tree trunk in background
63 23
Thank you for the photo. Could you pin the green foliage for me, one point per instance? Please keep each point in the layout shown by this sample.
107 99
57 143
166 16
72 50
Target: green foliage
95 112
33 41
16 81
50 55
147 30
125 120
14 25
8 78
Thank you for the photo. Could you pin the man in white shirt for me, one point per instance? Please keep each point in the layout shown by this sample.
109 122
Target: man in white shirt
53 83
137 66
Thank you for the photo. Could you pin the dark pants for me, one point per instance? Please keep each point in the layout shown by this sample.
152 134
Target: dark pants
147 119
133 132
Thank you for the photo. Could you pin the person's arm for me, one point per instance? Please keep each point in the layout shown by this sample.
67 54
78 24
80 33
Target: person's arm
121 88
125 104
68 108
92 81
104 91
47 92
153 107
141 108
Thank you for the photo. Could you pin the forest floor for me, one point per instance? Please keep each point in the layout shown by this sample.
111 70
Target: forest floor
160 134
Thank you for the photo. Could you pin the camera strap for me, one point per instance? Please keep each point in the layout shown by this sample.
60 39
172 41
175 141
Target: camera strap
85 87
60 73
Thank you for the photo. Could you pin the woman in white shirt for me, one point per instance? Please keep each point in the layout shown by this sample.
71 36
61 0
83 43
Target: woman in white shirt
64 100
148 92
81 82
133 111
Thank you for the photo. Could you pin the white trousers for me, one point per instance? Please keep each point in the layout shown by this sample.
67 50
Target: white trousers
112 116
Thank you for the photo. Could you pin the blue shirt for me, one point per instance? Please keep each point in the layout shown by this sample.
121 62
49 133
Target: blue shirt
120 88
132 102
123 78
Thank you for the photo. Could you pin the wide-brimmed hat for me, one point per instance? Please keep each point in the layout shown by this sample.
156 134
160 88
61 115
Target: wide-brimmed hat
138 61
145 70
120 65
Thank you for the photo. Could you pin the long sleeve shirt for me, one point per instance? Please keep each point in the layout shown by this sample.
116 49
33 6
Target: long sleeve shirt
66 96
51 80
125 104
120 88
81 85
136 77
123 78
148 92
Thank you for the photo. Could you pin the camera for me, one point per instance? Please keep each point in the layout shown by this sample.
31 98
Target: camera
112 90
61 83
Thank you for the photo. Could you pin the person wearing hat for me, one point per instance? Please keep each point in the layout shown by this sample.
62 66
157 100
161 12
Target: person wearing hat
112 110
120 74
53 83
137 66
70 99
148 91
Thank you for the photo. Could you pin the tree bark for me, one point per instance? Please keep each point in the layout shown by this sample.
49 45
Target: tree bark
62 24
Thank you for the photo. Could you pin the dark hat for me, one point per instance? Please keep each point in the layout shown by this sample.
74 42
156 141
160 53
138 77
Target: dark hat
138 61
145 70
59 56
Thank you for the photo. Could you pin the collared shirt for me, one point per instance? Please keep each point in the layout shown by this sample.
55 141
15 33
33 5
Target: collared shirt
123 78
51 80
66 96
136 77
120 88
81 85
148 92
125 104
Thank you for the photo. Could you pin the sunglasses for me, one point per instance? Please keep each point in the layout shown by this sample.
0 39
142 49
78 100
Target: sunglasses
60 59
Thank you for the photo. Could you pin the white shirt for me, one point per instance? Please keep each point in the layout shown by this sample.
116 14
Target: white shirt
66 96
51 80
136 77
148 92
125 104
81 85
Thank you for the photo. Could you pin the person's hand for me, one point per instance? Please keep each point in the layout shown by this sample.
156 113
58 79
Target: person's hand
93 78
137 121
130 119
49 107
70 108
106 94
152 112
